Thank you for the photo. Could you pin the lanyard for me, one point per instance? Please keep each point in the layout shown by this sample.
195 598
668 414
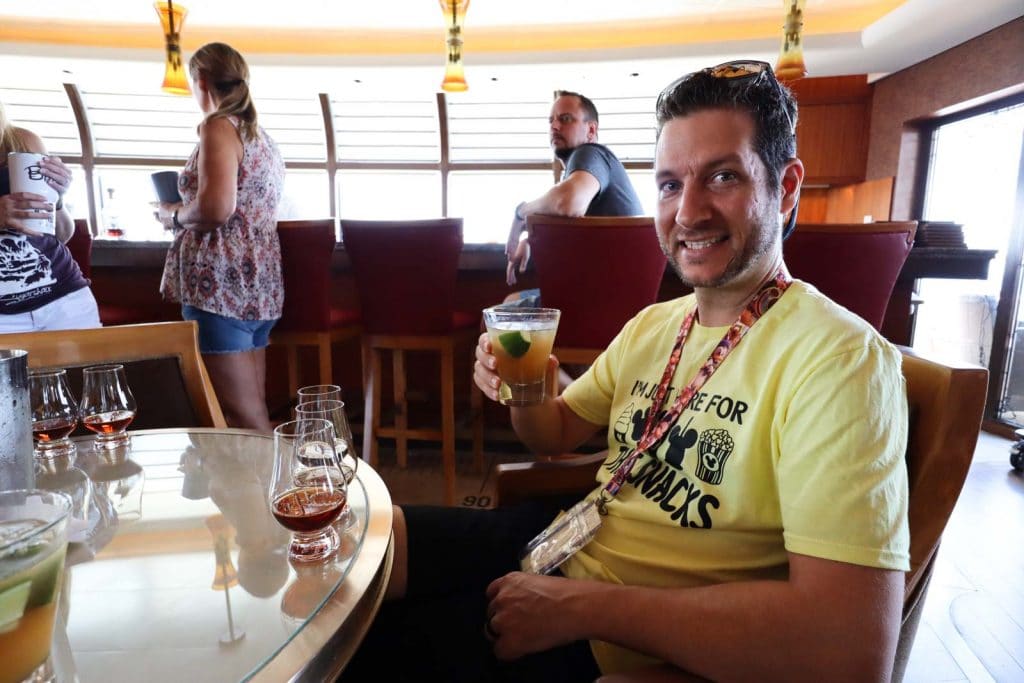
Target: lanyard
654 429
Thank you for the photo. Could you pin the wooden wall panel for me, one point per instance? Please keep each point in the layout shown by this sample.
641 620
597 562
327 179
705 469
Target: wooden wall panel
856 203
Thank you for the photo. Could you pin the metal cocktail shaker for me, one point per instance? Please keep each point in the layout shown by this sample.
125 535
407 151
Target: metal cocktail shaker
16 465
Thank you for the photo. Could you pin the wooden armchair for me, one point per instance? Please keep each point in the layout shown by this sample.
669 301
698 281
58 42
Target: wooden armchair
162 363
946 405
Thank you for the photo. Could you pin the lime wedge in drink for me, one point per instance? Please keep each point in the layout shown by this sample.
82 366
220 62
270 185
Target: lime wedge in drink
515 343
12 604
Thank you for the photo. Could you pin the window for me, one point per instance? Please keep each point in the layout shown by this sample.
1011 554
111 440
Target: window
126 202
296 125
486 200
397 130
498 131
381 195
47 113
973 180
305 195
138 125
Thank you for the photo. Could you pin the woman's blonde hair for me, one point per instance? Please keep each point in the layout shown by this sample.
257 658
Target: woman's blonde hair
10 140
227 74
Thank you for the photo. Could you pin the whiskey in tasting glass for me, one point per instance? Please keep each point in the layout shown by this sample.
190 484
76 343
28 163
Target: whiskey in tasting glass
54 413
108 406
307 488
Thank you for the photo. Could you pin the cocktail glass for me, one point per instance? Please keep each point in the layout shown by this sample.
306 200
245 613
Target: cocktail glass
521 339
54 413
108 406
33 543
307 488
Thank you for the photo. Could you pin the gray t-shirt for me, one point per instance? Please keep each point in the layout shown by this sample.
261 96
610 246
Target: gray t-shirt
616 196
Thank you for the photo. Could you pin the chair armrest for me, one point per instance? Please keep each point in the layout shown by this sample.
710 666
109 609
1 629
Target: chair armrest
562 475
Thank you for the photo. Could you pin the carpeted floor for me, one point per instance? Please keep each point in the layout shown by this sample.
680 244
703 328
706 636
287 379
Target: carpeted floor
421 482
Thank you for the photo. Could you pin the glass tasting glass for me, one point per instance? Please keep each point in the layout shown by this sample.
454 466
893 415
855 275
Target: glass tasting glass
348 461
307 488
334 411
108 406
319 392
54 413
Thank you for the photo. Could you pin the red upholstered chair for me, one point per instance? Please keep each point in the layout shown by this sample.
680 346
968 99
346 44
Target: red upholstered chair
599 272
308 319
80 246
854 264
405 273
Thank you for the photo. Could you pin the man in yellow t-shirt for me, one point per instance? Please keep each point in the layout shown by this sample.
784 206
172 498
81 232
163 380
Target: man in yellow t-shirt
761 531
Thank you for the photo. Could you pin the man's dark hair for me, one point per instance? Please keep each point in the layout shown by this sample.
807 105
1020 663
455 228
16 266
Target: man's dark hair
767 103
589 110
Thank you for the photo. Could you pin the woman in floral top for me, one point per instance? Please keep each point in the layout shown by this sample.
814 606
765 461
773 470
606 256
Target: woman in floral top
224 264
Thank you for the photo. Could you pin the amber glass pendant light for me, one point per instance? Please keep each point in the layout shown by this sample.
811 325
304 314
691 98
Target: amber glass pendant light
454 76
171 18
791 64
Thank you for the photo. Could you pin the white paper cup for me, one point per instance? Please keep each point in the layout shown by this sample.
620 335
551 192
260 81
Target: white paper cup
27 176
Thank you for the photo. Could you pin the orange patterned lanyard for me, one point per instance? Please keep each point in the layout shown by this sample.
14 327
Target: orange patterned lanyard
654 429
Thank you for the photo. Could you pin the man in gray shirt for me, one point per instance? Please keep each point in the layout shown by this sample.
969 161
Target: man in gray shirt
594 182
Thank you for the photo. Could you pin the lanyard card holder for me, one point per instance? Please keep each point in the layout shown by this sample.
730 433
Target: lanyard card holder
563 537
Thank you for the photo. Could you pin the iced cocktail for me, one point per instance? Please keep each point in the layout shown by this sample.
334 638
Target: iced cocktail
521 339
33 542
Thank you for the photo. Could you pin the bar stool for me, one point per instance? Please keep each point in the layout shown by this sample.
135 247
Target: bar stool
405 272
308 319
80 246
599 272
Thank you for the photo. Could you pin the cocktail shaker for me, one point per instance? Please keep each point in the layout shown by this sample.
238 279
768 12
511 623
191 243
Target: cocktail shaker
16 465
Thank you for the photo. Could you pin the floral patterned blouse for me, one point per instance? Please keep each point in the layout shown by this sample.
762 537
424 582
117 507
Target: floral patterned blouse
235 270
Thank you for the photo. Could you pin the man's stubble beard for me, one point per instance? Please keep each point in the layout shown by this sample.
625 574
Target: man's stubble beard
767 231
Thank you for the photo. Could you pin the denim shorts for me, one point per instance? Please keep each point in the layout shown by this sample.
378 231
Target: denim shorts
220 334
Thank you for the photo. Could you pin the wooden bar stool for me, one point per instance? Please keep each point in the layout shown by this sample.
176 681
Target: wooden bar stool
308 318
405 273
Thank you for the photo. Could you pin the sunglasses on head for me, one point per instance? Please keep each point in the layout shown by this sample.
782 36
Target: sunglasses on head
743 72
739 72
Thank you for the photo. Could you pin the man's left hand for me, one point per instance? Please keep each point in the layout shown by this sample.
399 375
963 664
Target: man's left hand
527 614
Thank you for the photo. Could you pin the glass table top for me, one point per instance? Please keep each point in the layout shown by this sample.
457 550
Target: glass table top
178 571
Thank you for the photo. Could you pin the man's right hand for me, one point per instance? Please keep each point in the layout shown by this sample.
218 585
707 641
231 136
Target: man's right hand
485 369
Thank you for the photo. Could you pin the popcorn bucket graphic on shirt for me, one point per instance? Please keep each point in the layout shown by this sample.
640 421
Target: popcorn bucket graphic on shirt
714 448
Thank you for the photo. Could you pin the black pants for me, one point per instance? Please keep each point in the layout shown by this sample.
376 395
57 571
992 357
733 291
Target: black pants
437 632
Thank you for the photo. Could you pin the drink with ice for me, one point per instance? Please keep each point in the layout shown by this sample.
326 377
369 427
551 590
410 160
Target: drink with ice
521 340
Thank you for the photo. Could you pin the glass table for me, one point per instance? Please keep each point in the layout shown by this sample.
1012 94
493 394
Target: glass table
178 571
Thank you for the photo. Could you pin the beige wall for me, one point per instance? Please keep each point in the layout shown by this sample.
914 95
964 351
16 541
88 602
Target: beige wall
991 63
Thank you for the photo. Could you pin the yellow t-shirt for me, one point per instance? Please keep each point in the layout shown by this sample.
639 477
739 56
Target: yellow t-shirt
796 443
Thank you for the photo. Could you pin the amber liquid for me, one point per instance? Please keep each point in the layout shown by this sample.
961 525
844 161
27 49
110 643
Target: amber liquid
25 640
55 429
308 509
114 422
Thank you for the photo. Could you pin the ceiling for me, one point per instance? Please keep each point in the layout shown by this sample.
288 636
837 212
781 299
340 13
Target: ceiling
614 46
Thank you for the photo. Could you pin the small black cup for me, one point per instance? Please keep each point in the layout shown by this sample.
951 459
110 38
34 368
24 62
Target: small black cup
166 185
